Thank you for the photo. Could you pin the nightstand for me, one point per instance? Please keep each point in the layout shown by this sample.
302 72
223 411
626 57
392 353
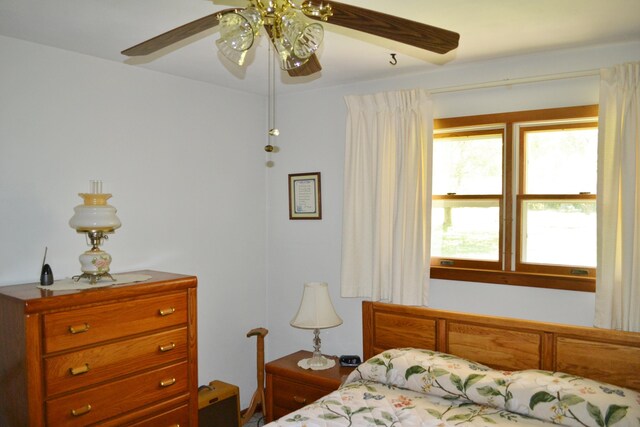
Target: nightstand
290 387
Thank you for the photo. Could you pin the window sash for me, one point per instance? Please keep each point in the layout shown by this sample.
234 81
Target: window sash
524 195
475 201
526 130
540 267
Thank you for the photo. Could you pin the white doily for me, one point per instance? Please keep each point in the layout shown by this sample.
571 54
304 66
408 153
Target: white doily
304 363
70 284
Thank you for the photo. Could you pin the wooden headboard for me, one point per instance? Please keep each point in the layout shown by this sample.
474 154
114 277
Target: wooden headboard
505 343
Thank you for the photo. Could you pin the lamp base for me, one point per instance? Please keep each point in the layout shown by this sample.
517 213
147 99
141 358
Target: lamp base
95 262
93 277
317 364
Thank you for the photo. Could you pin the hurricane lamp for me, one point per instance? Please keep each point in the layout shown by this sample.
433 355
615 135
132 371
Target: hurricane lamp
96 219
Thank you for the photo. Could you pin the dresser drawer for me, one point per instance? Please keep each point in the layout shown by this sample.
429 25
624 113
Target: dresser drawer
118 397
178 417
292 395
84 326
82 368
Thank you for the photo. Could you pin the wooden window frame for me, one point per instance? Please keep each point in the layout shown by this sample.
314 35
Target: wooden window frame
509 274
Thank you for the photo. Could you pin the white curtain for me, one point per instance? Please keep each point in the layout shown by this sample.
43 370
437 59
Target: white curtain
387 197
618 273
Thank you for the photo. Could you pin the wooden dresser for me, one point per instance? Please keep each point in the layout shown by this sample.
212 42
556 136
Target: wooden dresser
112 356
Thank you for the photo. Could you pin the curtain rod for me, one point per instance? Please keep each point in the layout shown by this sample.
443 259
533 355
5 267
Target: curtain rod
508 82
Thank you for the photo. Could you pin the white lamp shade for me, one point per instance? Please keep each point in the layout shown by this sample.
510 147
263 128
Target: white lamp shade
94 218
316 309
94 214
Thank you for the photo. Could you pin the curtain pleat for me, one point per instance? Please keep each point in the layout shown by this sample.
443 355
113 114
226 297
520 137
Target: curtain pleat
387 197
618 204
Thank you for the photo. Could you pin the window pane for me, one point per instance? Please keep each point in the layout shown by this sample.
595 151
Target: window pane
467 165
468 229
561 161
559 232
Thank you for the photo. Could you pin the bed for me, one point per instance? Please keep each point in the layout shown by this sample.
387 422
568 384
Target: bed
427 367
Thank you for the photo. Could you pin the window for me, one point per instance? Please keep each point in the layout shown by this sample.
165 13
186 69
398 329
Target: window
514 198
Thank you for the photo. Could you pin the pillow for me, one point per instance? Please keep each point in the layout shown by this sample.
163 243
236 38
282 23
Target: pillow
568 399
550 396
426 371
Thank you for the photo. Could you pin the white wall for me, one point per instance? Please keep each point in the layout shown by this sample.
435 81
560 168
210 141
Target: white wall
191 193
312 129
189 188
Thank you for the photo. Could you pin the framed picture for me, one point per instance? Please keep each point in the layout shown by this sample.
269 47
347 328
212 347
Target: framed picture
304 196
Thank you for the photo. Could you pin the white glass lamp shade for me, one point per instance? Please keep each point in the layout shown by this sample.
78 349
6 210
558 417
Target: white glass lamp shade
95 214
237 33
316 309
304 38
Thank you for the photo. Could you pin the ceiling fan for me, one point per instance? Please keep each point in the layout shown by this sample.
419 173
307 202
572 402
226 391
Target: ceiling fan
294 39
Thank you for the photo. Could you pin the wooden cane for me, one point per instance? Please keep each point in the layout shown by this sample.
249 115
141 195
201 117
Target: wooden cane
258 395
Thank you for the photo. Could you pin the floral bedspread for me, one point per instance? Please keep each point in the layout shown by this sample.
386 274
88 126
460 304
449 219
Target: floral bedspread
412 387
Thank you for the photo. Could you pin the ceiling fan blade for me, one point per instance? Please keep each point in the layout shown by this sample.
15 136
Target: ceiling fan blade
391 27
177 34
310 67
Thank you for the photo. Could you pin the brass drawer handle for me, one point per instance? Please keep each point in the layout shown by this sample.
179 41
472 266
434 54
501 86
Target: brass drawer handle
166 311
167 383
79 370
78 329
167 347
300 400
80 411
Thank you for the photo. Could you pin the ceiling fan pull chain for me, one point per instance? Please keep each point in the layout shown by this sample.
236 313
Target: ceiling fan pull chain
271 102
273 130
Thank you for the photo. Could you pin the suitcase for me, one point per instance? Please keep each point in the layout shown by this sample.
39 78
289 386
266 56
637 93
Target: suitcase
218 405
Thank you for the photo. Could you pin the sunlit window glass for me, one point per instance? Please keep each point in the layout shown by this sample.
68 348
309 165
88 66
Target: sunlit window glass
561 161
559 232
467 165
466 229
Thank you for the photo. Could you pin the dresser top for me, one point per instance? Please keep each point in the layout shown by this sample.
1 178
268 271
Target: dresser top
37 299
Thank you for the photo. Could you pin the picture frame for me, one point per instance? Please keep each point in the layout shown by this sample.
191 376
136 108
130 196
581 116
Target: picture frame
305 198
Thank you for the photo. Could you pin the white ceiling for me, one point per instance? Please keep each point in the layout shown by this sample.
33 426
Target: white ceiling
488 29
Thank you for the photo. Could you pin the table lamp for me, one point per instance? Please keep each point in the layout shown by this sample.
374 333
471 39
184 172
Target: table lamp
95 218
316 312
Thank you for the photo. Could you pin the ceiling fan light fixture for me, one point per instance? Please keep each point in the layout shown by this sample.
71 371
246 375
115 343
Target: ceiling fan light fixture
233 55
238 30
288 59
304 38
